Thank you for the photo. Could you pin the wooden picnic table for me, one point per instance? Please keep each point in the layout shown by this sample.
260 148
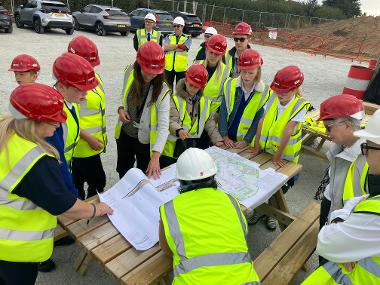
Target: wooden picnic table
101 241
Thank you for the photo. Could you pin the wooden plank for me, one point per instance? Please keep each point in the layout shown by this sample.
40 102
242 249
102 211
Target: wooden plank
273 254
111 248
247 154
370 108
283 217
295 258
59 233
149 272
261 158
237 150
129 260
291 169
98 236
81 227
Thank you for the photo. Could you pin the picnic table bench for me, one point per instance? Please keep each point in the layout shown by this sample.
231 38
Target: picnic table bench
101 241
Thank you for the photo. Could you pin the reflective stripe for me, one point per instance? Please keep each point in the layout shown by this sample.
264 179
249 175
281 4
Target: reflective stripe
369 265
278 140
86 112
246 121
19 168
25 235
336 273
283 156
295 107
16 204
227 96
270 102
95 130
224 78
175 232
70 147
188 264
127 73
356 84
226 258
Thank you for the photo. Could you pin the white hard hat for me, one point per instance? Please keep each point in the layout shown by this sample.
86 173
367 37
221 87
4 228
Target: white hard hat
151 17
211 31
195 164
372 129
179 21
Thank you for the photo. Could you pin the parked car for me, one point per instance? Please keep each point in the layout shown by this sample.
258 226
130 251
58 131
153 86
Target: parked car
102 19
5 19
43 15
193 25
164 22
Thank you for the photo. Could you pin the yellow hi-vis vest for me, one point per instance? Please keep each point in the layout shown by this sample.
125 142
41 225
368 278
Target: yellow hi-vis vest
70 132
273 128
214 87
175 60
26 230
92 119
142 36
207 233
354 185
196 129
366 271
257 101
128 80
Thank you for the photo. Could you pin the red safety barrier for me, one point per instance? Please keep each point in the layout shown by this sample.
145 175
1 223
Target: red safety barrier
357 81
372 64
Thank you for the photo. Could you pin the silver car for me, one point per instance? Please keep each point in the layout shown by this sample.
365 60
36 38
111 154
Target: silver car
102 19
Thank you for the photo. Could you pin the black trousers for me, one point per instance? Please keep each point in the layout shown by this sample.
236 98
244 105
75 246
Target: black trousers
130 150
325 209
90 170
170 75
17 273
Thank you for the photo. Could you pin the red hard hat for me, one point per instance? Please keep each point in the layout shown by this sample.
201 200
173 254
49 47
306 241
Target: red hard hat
151 58
197 75
74 70
287 79
38 102
242 29
85 48
249 59
340 106
24 62
217 44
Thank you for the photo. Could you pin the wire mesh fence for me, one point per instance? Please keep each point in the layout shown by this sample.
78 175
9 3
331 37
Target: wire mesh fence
206 12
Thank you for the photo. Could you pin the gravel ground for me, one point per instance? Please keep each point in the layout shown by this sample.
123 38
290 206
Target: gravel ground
324 77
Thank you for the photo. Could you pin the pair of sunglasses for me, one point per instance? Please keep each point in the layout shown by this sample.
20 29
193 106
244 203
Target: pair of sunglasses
239 39
365 147
177 26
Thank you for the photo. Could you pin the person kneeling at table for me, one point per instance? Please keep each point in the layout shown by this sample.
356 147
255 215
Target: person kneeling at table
190 115
280 129
32 189
351 241
204 229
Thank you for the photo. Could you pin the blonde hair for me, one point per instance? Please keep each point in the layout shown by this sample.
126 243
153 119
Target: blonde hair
24 128
218 70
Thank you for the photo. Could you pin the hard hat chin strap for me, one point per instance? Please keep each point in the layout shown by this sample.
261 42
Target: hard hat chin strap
187 186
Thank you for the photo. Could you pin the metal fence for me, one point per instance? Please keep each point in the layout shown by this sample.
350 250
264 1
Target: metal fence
207 12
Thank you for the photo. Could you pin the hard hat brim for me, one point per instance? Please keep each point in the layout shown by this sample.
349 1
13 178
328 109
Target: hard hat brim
363 134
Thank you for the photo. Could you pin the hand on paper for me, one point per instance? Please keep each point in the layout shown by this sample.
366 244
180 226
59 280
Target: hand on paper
103 209
154 169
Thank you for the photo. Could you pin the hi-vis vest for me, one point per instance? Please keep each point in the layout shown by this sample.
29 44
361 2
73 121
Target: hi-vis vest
354 185
273 128
26 230
257 101
196 129
70 132
175 60
92 119
366 271
128 80
214 87
208 248
198 51
142 36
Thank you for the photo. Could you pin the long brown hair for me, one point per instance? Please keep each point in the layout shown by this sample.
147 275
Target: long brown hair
137 86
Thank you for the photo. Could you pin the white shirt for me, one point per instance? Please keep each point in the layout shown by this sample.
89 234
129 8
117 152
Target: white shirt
349 153
356 238
260 87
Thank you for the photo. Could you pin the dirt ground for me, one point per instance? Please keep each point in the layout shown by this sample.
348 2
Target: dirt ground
324 77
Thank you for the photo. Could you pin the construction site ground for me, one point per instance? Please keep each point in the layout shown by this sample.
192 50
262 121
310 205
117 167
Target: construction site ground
324 77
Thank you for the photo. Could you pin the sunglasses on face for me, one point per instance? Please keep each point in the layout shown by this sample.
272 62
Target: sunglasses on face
365 147
177 26
207 36
330 126
239 39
